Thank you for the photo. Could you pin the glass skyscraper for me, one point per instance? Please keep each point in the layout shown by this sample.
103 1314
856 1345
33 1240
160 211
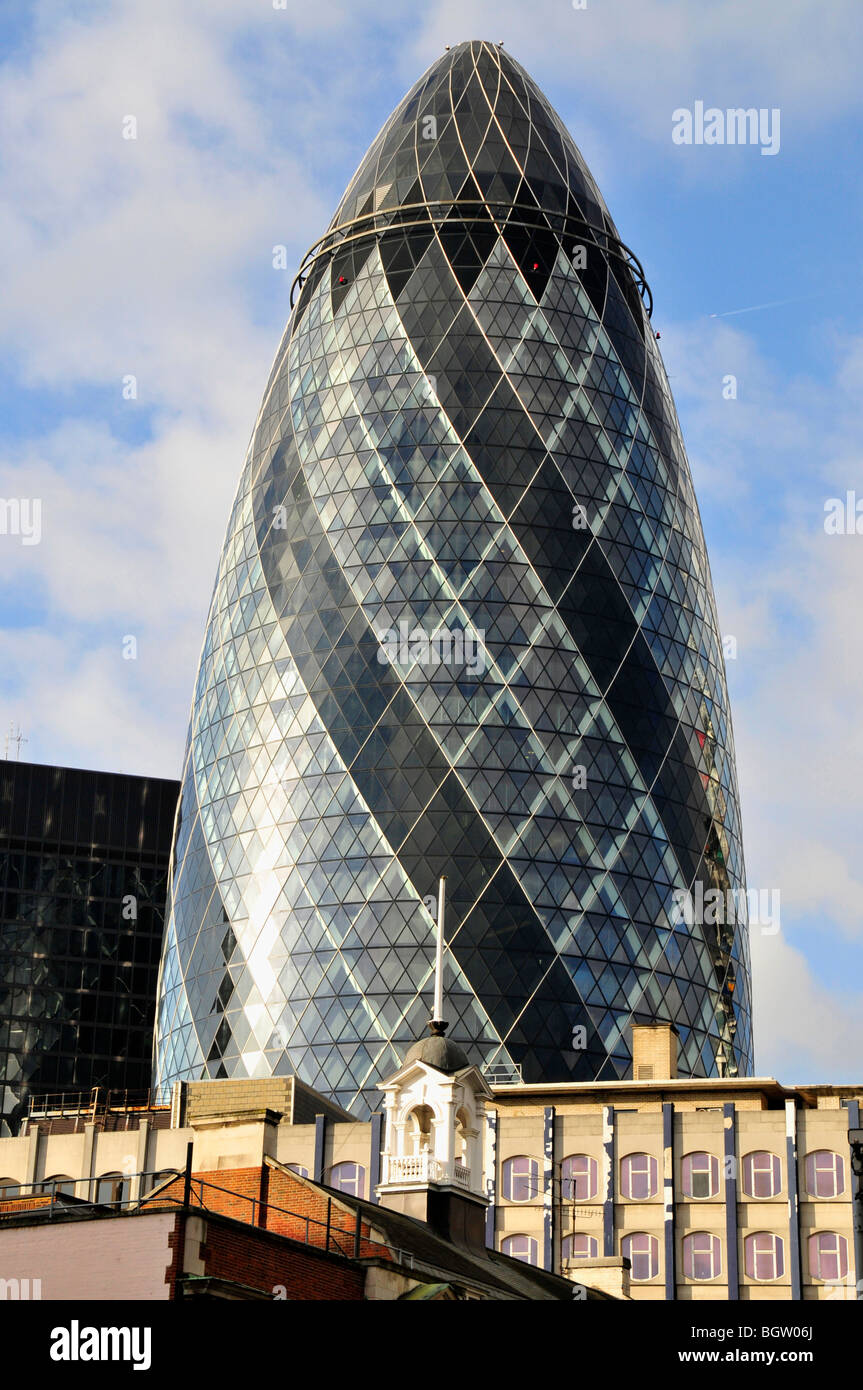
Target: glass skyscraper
463 623
83 875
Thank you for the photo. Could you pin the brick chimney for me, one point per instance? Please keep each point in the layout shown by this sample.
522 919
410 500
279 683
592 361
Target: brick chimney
654 1051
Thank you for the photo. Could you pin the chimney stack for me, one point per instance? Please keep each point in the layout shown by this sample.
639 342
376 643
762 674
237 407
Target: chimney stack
654 1051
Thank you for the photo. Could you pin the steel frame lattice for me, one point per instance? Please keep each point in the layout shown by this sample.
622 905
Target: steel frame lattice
467 427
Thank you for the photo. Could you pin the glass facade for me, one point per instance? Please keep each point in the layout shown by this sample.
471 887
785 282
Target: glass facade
83 875
463 623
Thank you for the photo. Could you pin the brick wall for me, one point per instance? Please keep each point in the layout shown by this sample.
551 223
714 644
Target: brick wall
252 1258
280 1202
14 1205
207 1098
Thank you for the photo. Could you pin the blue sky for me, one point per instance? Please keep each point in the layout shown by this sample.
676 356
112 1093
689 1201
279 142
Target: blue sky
152 258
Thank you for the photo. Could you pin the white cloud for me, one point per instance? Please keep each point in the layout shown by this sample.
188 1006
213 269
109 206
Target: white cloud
805 1032
644 60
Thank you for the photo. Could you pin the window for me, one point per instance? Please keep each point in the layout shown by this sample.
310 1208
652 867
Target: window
638 1177
700 1175
112 1188
298 1168
9 1188
828 1255
764 1255
578 1178
348 1177
825 1173
520 1248
60 1183
150 1181
421 1118
762 1174
578 1247
702 1256
521 1179
642 1251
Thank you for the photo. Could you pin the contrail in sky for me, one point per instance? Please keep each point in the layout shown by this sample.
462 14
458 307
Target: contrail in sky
773 304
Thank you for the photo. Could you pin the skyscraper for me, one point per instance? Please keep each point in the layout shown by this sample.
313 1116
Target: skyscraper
464 624
83 873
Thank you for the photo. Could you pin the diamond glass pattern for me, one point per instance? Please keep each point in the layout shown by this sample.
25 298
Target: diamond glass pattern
467 428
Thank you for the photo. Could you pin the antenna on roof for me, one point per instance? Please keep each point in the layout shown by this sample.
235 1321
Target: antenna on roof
18 739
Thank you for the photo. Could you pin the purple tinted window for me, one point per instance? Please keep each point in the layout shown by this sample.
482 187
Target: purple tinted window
642 1250
520 1248
579 1178
825 1174
762 1175
764 1255
700 1175
638 1177
348 1177
580 1247
702 1256
828 1255
520 1179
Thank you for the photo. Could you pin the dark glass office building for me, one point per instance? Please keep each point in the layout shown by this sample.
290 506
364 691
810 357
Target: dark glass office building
83 873
463 623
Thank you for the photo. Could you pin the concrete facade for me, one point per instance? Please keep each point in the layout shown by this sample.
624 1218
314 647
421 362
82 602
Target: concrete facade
665 1121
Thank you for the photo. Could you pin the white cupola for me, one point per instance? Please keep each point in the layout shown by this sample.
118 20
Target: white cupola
432 1165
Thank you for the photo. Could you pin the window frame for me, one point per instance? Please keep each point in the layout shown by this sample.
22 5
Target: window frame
652 1252
777 1254
571 1180
626 1176
509 1176
840 1254
837 1170
691 1253
359 1178
531 1257
751 1173
566 1252
711 1173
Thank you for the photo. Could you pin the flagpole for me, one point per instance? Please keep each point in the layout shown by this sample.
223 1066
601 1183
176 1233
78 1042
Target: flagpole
437 1015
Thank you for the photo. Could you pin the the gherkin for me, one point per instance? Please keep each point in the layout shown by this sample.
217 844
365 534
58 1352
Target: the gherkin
463 623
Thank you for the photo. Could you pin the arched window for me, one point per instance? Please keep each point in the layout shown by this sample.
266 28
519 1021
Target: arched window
520 1248
762 1174
638 1177
421 1127
112 1189
9 1187
150 1181
59 1183
764 1255
578 1247
521 1179
298 1168
828 1255
642 1251
348 1177
579 1176
462 1138
700 1172
702 1255
825 1173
